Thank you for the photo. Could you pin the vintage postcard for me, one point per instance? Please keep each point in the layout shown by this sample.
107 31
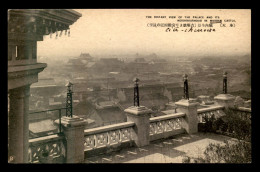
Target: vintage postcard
129 85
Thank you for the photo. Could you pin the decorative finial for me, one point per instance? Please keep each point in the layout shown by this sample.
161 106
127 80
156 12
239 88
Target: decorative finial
185 76
136 80
69 85
225 74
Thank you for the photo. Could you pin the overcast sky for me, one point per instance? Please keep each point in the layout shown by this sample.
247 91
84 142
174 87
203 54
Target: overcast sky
125 31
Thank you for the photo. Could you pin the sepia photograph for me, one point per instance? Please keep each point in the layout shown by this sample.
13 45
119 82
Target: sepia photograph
129 86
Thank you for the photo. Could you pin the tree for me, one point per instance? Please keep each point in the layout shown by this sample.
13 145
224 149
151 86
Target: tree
235 151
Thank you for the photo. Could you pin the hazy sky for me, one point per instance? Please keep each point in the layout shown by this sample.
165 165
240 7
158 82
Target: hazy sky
124 31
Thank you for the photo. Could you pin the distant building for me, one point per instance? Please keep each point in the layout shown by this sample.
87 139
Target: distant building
205 100
42 128
157 61
86 56
79 64
100 113
140 60
45 94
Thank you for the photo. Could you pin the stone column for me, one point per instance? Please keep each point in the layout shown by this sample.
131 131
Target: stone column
73 129
140 115
189 107
225 100
18 125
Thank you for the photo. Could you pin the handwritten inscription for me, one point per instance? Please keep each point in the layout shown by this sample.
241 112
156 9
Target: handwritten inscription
190 30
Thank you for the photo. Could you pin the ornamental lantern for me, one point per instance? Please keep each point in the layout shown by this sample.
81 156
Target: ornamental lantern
69 99
186 88
136 92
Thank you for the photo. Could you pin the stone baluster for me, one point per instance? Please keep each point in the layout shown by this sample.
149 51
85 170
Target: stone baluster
73 129
225 100
189 107
140 115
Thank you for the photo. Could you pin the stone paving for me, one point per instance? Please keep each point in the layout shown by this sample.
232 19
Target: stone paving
171 150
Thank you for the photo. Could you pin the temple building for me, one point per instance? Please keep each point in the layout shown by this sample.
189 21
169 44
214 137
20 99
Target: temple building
25 28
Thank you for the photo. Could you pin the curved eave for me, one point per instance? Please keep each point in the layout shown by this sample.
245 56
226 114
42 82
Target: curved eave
64 16
74 12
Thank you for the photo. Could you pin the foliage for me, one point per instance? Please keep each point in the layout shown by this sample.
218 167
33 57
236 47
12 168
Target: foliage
232 123
45 153
231 152
155 108
210 124
235 151
238 126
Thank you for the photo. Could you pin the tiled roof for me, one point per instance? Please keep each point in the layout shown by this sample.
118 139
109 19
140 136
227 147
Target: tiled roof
168 112
42 126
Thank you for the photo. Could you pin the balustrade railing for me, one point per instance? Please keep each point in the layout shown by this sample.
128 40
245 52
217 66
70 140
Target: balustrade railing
48 149
51 148
244 113
165 126
108 135
216 111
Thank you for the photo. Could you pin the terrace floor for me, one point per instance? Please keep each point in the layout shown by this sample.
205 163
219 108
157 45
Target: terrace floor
171 150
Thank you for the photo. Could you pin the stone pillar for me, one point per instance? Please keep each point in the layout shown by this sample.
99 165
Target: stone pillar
73 129
18 125
140 115
225 100
189 107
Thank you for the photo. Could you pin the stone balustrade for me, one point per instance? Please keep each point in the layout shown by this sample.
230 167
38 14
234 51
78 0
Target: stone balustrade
114 137
166 126
107 136
244 109
48 149
208 112
104 139
244 113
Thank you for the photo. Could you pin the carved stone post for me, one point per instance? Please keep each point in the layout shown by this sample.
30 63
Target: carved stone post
141 117
189 107
225 99
73 128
